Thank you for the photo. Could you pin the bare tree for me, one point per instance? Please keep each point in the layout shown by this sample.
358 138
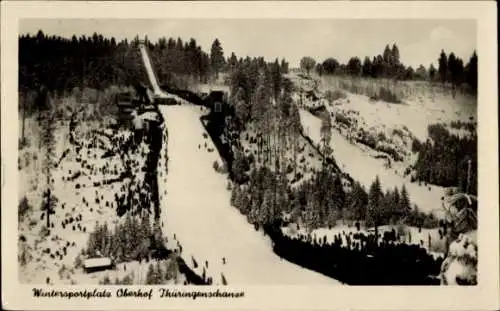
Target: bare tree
50 201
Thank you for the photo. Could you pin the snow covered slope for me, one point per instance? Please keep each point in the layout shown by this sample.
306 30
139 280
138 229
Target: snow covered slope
363 168
158 92
149 69
196 209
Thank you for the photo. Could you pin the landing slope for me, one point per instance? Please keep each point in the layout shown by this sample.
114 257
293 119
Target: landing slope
198 212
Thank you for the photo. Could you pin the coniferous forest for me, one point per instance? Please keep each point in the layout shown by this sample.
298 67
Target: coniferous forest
446 158
96 62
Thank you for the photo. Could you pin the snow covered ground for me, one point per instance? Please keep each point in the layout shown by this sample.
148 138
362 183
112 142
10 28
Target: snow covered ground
416 114
353 160
82 200
80 205
197 210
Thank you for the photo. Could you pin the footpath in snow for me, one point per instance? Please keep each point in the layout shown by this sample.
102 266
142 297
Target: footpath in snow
363 168
197 210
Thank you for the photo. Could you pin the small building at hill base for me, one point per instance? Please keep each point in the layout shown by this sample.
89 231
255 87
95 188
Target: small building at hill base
97 264
216 101
146 120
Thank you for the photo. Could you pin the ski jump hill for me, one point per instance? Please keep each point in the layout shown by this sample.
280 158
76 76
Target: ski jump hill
212 237
159 95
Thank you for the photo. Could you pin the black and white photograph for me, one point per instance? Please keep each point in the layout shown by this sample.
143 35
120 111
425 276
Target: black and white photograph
233 152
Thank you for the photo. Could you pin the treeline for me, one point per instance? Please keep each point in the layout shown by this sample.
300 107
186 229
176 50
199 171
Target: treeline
322 201
134 239
97 62
451 68
447 159
60 64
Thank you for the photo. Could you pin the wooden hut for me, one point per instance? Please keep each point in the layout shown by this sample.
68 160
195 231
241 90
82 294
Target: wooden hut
97 264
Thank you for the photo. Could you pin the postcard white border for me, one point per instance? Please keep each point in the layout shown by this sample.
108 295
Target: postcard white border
483 296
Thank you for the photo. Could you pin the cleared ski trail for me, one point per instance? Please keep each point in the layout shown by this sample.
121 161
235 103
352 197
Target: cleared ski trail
149 69
363 168
197 210
158 92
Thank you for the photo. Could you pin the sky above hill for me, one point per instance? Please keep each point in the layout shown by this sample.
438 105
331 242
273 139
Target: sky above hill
419 40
